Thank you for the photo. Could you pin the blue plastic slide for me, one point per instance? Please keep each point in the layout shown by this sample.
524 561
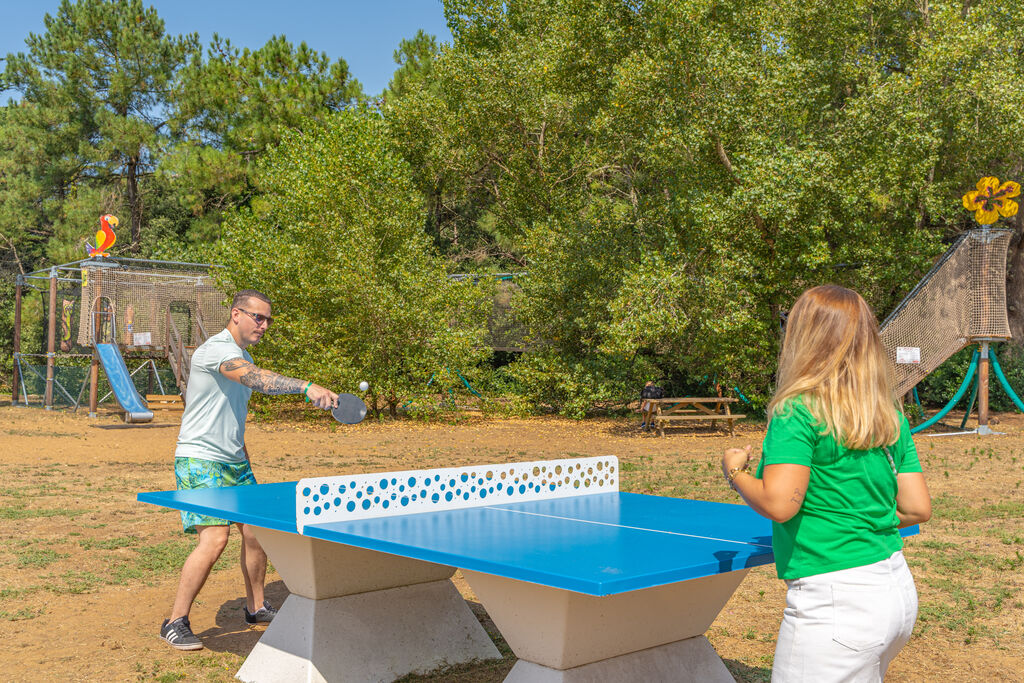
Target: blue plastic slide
122 385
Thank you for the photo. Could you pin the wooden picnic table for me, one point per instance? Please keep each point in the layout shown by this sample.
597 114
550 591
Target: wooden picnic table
658 412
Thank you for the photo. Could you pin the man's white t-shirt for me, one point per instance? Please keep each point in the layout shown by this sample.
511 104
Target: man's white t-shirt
213 425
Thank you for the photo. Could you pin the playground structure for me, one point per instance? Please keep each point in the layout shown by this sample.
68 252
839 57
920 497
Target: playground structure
504 332
111 311
960 302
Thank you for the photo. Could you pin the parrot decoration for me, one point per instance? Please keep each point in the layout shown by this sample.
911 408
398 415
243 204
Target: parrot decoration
105 236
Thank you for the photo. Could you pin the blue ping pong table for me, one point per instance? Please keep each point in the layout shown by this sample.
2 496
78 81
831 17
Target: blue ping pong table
584 583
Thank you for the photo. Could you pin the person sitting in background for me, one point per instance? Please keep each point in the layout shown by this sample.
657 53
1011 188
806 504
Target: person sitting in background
649 391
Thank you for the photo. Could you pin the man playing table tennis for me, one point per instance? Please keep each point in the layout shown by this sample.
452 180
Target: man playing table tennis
211 452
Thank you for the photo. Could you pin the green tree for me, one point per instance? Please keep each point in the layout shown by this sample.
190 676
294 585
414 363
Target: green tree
674 174
415 59
91 121
231 107
336 241
427 130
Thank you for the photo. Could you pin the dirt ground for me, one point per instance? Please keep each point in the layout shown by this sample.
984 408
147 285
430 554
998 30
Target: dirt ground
87 573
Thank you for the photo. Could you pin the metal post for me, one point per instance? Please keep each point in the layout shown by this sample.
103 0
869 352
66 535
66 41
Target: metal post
51 337
983 427
17 338
94 367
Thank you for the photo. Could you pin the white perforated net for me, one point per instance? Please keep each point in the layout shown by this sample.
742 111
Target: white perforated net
961 299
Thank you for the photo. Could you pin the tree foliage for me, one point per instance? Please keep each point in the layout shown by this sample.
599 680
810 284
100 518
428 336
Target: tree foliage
233 105
90 125
415 59
337 238
674 174
116 116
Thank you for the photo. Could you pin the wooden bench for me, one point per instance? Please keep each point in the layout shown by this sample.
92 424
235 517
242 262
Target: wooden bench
165 403
663 411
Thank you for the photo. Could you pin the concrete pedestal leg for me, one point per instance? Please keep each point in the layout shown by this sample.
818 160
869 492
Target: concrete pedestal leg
360 615
572 637
378 636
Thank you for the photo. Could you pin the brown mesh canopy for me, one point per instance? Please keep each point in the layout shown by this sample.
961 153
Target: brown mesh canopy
960 300
134 300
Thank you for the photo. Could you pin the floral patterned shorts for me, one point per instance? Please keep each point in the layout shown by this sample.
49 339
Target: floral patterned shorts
194 473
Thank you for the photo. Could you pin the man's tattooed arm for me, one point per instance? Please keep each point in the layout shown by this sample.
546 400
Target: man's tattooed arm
258 379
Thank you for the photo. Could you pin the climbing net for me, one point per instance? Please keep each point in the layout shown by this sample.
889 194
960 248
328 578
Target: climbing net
960 300
130 304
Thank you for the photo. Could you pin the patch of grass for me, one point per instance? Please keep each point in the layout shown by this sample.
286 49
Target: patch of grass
937 545
75 583
968 563
17 492
164 558
1007 537
957 509
963 612
108 543
13 593
22 512
1011 563
22 614
38 559
745 673
487 669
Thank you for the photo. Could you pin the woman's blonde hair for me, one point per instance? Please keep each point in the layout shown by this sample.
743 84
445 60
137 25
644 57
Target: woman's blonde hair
833 357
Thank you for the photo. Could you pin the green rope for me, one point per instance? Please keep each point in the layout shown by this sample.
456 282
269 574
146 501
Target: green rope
970 404
953 401
1006 385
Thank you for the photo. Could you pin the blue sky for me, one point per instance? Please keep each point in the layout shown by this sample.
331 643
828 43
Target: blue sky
364 33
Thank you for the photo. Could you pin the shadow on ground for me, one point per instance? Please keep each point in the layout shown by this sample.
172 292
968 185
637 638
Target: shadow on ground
744 673
231 633
149 425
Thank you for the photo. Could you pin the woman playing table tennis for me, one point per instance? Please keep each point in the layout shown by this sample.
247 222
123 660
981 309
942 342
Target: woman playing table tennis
839 475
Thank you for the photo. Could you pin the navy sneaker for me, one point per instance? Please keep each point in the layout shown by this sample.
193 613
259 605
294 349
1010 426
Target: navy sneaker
262 615
178 634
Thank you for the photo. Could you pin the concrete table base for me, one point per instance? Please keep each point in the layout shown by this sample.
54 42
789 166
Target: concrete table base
560 631
377 636
359 615
685 661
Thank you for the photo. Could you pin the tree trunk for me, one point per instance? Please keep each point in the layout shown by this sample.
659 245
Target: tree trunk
134 202
1015 281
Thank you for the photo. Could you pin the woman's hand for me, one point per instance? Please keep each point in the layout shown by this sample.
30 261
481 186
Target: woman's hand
735 458
779 495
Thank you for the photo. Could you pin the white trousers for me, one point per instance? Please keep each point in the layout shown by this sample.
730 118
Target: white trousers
846 625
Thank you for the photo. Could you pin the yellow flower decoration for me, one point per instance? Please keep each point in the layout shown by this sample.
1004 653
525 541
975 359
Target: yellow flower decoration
992 200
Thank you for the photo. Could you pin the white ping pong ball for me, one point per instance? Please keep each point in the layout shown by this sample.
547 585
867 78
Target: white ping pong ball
363 386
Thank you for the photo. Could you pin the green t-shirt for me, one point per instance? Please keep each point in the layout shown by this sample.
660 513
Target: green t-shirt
848 517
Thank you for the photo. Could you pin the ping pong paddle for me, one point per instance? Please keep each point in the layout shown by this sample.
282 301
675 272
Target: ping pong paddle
350 410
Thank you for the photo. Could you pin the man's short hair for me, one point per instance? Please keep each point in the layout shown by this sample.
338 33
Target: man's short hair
246 294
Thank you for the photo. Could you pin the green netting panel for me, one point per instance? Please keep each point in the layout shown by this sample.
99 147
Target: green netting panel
69 378
75 379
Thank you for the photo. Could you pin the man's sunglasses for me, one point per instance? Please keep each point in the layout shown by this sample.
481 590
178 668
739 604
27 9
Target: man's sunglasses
258 318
